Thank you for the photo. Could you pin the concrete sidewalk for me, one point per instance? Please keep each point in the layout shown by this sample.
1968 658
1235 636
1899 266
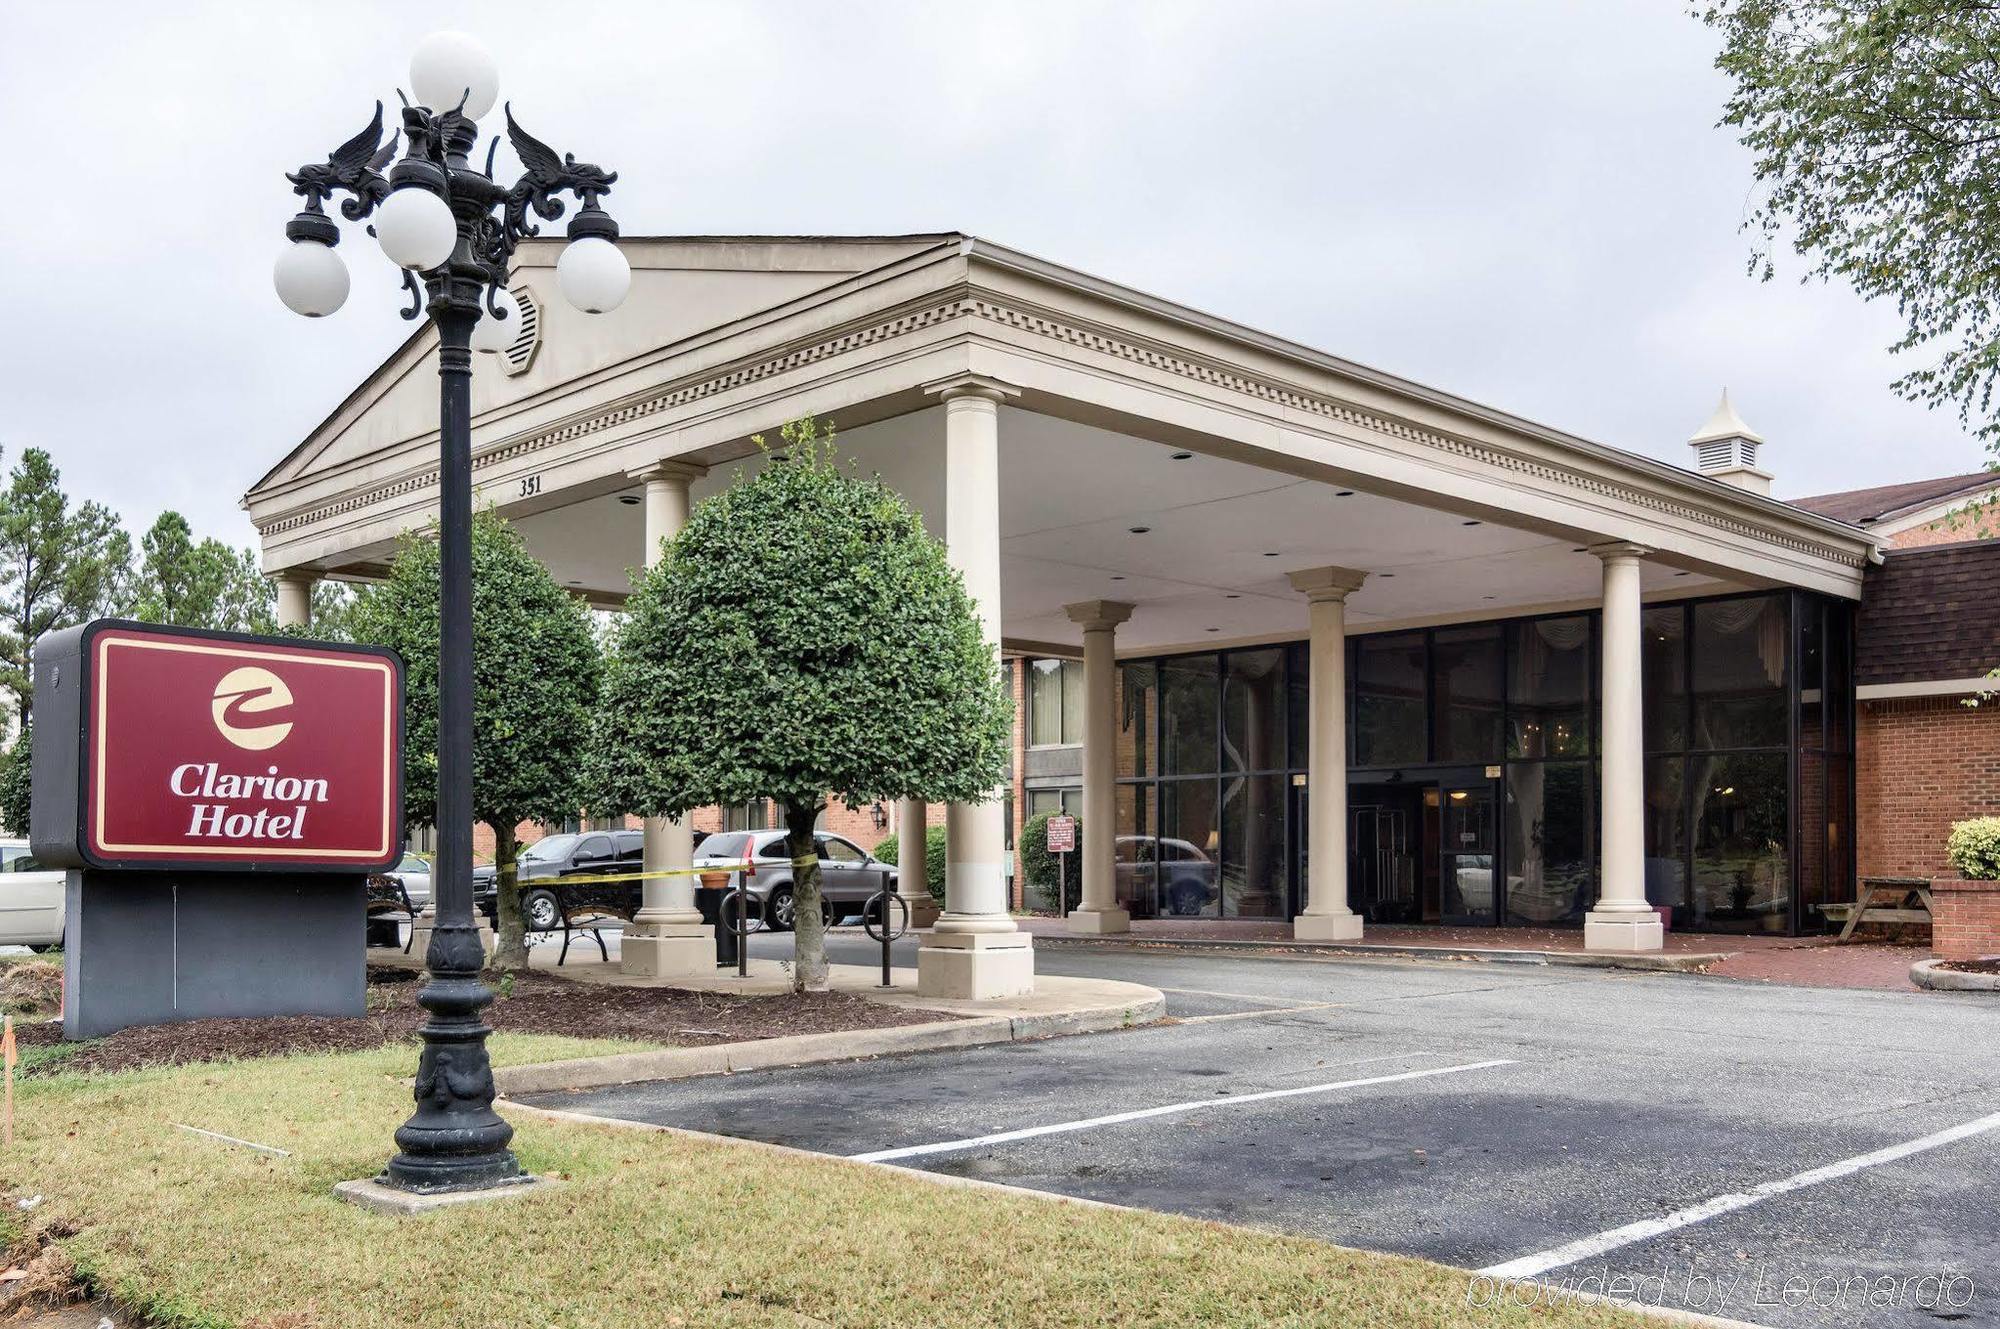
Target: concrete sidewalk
1058 1005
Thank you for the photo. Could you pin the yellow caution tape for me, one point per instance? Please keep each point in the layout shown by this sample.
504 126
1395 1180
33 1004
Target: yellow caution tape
637 876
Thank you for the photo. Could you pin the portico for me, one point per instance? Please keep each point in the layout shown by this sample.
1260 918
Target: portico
1295 582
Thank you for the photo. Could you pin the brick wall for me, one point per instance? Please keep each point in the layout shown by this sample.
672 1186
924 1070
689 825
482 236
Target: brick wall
1921 763
1949 530
1965 919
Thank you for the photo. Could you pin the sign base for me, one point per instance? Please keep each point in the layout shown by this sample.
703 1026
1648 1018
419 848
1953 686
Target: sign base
159 947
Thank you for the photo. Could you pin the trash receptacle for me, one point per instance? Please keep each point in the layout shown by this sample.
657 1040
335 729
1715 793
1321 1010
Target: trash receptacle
708 899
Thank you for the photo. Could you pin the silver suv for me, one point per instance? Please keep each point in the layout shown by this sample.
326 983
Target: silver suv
847 874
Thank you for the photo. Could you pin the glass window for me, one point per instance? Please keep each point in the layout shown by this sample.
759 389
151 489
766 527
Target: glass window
775 847
594 848
1138 714
1253 846
1190 841
1666 831
1466 703
1739 817
1550 878
1133 854
549 849
1055 800
1663 674
1187 715
1253 711
1739 674
1548 687
1388 693
728 844
1298 691
1055 702
833 849
410 863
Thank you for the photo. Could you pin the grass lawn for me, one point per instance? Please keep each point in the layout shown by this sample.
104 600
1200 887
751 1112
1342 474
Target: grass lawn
649 1230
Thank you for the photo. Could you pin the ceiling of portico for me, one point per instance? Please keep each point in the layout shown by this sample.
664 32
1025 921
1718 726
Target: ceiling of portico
1210 565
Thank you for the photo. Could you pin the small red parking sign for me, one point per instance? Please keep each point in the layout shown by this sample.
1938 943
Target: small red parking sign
1062 835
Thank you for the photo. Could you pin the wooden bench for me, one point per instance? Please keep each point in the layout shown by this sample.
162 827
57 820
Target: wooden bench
1884 900
387 899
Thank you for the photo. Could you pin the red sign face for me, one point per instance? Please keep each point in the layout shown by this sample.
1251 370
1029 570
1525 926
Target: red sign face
202 750
1062 835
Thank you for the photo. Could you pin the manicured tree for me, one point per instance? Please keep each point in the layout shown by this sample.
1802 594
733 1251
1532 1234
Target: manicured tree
535 666
802 634
889 849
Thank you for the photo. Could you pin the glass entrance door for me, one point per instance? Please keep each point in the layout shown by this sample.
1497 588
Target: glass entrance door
1382 857
1469 854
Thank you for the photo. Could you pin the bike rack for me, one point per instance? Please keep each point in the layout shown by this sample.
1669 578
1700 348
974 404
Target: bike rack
877 911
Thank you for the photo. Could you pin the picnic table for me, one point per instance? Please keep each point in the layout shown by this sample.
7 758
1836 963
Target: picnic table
1884 900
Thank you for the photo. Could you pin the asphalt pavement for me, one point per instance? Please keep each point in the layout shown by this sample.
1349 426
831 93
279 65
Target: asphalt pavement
1788 1156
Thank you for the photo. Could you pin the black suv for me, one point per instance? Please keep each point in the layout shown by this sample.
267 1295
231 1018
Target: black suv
566 855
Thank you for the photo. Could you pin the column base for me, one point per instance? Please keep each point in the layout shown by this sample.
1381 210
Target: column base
924 910
684 953
1099 921
1622 931
980 966
1327 927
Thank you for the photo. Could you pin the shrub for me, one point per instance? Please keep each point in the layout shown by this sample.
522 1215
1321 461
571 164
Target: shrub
888 850
1974 847
1039 866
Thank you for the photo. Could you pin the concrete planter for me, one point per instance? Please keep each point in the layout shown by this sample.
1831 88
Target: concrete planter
1927 974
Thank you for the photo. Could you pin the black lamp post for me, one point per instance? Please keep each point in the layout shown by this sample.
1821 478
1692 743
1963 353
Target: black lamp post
453 231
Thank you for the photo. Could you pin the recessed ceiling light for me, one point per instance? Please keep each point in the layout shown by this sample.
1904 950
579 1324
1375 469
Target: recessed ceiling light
1579 550
1118 576
1493 597
1232 596
1215 629
1138 530
1343 493
629 500
1680 574
1182 456
574 582
1271 555
1385 574
1472 523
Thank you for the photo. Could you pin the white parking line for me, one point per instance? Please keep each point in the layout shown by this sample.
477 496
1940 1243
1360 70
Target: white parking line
1233 1100
1529 1266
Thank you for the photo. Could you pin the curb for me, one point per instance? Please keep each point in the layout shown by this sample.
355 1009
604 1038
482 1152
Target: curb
1670 1314
1684 962
1926 974
807 1049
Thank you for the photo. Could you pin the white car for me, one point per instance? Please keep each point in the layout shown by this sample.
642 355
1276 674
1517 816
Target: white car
31 899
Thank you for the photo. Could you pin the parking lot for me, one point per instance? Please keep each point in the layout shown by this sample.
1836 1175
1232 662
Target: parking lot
1783 1155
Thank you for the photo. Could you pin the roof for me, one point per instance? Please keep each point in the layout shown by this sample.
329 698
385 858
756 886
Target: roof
1926 614
1725 423
1865 507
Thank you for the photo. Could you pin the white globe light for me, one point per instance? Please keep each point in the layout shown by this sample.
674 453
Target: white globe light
416 228
494 335
310 278
593 275
449 65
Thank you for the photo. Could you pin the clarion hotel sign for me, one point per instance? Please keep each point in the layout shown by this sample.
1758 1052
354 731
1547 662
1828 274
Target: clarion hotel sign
214 750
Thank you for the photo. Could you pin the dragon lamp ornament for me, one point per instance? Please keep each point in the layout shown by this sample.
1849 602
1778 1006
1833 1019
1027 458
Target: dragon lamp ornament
453 231
436 215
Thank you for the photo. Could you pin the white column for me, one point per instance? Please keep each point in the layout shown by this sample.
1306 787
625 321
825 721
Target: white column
1327 916
1622 920
667 937
974 950
295 598
1098 910
912 865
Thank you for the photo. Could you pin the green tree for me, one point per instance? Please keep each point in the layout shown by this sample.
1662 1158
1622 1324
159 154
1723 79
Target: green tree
802 634
1875 124
535 668
16 766
59 565
188 583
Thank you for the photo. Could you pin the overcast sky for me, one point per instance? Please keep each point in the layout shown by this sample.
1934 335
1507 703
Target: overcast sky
1524 203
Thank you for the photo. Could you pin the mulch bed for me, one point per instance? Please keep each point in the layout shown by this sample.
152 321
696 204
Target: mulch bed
537 1003
1989 965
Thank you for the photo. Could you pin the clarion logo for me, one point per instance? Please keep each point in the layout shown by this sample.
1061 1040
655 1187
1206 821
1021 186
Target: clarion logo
246 693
